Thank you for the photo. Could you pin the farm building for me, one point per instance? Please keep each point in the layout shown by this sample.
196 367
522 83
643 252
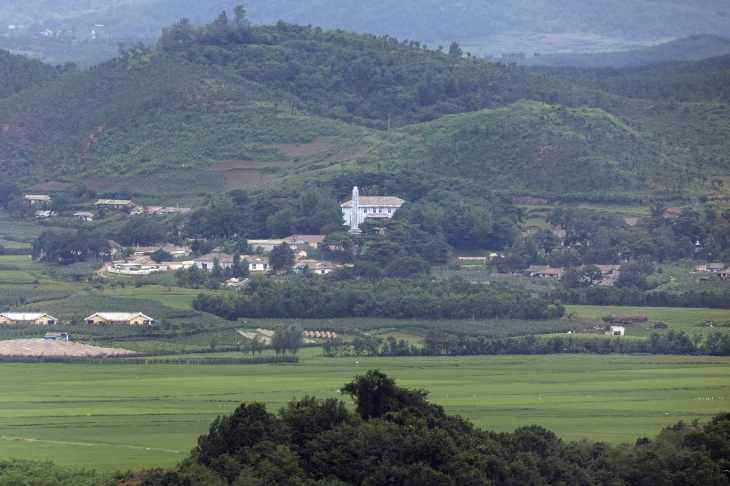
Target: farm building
119 318
84 216
617 331
206 262
38 198
27 318
114 204
543 271
359 209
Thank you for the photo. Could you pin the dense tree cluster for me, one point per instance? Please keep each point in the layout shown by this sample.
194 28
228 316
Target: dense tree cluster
395 436
399 298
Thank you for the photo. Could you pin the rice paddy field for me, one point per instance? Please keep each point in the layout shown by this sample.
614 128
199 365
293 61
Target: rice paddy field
112 417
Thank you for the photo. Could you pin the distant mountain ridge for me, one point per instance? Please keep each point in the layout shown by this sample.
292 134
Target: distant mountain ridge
694 47
223 107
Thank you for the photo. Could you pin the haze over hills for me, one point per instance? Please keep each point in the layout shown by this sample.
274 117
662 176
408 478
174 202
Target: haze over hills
225 107
86 32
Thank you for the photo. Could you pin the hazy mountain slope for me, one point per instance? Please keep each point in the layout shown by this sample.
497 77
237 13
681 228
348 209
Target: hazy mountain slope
689 48
426 20
658 70
304 104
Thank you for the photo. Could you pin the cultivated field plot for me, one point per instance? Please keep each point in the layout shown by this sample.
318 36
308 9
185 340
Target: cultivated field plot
48 347
690 320
137 416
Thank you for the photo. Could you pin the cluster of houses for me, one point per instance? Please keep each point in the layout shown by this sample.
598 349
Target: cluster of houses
718 268
610 273
103 204
42 319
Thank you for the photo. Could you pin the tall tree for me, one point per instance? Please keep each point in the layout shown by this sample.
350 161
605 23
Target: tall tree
281 257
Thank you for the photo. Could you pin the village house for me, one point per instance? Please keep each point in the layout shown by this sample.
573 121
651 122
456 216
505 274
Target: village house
120 318
724 273
257 264
316 266
544 271
38 318
84 216
139 266
235 283
38 198
206 262
144 209
45 214
114 204
299 242
711 267
115 247
267 245
360 209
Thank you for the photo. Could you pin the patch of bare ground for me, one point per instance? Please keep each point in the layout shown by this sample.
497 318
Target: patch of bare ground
223 165
409 338
49 347
49 186
240 178
105 184
300 149
136 479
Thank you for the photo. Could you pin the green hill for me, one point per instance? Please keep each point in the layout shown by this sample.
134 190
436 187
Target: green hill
224 107
694 47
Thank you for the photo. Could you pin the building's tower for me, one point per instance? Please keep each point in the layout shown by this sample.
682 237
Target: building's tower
355 212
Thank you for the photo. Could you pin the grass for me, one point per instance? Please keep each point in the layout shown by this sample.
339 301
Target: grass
140 416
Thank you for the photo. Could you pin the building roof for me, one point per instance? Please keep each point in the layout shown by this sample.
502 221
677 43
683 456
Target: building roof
25 316
113 244
545 270
376 201
255 259
113 202
38 197
119 316
222 257
84 213
316 264
297 239
266 242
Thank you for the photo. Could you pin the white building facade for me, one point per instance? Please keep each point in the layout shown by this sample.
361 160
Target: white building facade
364 208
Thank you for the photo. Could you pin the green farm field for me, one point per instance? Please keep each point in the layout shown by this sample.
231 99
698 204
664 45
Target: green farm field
112 417
690 320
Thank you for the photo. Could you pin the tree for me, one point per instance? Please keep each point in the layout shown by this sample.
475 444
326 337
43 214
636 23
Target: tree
240 269
281 257
161 255
239 16
406 266
455 50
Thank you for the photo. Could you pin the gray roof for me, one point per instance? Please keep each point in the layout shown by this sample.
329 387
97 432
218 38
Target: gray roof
222 257
376 201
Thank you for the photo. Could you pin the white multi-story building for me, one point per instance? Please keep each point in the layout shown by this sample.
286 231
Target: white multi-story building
363 208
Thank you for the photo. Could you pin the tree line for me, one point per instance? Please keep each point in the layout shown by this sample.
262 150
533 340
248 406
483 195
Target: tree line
396 436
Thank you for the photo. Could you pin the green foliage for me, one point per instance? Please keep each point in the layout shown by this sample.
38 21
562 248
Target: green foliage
281 258
19 471
398 437
18 73
391 298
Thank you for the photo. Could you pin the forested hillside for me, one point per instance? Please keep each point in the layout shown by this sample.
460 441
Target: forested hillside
244 105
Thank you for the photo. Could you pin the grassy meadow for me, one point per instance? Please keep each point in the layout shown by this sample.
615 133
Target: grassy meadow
137 416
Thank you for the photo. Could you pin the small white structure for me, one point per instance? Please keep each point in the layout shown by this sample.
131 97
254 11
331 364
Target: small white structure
360 209
616 331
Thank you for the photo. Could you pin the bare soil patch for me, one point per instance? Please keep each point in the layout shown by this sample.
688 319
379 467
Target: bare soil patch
48 347
224 165
300 149
235 179
409 338
105 184
50 186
